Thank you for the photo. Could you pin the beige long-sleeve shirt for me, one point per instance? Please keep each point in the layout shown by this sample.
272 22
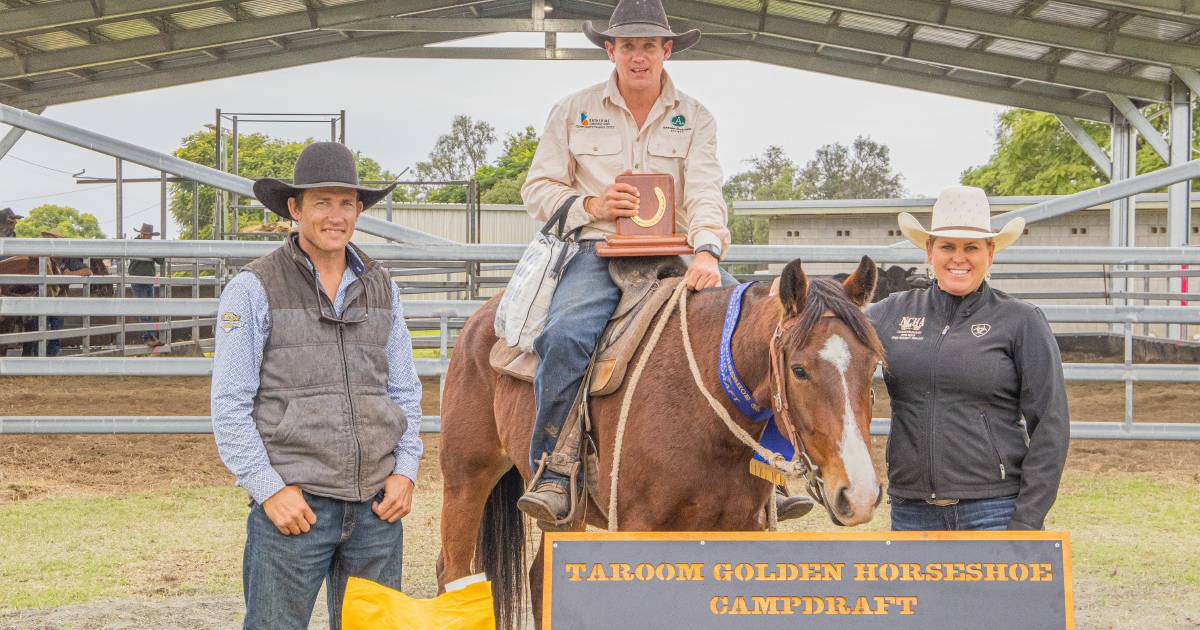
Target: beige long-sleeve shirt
591 137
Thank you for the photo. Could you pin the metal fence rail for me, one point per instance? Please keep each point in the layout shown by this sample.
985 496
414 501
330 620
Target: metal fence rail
16 425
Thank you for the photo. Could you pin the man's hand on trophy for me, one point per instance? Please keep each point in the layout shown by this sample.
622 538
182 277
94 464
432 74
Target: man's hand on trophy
703 273
618 200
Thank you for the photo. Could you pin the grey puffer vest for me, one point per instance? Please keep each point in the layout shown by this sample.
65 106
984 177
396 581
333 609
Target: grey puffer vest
322 407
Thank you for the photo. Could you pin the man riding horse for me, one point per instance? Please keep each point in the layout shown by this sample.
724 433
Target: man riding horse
636 121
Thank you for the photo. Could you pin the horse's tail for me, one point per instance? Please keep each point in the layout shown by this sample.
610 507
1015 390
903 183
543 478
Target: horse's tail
500 550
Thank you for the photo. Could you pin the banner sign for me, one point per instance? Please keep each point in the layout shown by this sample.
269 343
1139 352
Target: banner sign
701 580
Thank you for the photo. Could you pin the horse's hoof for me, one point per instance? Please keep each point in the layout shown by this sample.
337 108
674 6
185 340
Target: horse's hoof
788 508
548 503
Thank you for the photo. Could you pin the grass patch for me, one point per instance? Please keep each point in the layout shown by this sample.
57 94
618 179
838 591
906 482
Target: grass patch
67 551
1129 530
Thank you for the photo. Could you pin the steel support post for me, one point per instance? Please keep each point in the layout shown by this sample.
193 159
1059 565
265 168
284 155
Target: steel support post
1179 209
1121 214
233 168
218 194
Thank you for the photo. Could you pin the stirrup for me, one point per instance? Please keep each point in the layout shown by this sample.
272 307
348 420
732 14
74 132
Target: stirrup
573 498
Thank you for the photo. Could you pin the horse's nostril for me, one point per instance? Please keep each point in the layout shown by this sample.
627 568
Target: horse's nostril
842 505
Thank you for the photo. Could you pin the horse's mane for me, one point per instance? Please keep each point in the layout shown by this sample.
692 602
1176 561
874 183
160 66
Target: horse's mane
829 296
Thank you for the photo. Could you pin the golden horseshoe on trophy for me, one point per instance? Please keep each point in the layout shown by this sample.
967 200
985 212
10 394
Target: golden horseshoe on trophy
662 209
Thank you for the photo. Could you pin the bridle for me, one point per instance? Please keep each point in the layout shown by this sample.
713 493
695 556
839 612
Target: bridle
802 464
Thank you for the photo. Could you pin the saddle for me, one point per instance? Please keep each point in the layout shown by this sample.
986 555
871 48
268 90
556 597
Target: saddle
646 284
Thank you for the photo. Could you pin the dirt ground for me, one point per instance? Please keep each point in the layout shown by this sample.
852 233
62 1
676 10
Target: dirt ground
90 465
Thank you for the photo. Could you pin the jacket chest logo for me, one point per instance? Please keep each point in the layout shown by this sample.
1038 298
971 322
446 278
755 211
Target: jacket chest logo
910 328
980 330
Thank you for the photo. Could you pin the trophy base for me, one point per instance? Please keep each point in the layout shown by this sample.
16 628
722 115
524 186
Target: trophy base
620 245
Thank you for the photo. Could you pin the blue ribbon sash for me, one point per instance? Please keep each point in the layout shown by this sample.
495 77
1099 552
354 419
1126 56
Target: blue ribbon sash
739 394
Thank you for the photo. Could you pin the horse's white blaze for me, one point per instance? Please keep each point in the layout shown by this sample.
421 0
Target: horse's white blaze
856 458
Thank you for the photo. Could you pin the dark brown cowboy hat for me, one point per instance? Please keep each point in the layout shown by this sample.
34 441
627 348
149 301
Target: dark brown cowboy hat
146 229
7 214
641 18
320 165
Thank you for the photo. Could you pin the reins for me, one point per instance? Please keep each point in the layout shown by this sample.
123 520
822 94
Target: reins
799 466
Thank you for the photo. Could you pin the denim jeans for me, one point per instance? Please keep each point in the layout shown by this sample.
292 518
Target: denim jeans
281 575
583 301
916 514
144 291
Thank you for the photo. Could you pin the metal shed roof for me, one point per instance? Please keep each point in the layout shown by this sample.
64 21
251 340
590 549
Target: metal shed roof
1061 56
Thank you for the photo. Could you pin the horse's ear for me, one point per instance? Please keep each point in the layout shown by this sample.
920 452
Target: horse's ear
793 289
860 286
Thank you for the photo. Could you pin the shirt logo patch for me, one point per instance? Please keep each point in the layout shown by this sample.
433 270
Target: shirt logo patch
230 321
980 330
910 328
678 120
588 121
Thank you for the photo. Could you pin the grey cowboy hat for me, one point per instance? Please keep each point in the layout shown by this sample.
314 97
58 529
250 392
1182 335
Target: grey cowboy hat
7 214
146 229
320 165
641 18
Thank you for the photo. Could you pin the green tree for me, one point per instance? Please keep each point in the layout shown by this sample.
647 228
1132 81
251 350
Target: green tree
259 156
771 176
502 183
67 221
457 155
1035 155
861 171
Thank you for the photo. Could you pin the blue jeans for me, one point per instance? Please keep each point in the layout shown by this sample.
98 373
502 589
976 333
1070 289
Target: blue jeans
144 291
917 515
583 301
281 575
53 322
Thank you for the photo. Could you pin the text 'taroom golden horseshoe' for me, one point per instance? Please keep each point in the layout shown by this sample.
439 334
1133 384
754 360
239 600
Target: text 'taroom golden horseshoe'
662 209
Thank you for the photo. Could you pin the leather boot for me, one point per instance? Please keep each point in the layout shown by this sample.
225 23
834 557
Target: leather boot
547 503
789 507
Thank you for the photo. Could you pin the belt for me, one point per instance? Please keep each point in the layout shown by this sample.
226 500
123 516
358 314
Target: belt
942 502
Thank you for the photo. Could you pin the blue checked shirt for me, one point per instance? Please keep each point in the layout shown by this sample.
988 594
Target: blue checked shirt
235 380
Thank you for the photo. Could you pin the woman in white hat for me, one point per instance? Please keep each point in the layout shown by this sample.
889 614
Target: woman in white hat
980 425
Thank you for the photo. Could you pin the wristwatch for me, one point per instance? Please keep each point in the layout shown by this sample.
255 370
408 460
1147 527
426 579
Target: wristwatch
712 249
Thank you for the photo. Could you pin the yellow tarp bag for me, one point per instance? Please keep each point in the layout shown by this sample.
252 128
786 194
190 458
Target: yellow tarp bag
372 606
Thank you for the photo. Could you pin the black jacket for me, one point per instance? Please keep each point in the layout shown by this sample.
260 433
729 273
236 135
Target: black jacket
962 372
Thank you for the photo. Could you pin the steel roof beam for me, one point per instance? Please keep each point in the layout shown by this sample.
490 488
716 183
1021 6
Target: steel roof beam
196 39
14 134
981 22
40 18
1143 126
182 168
787 53
296 54
916 50
1181 8
1089 146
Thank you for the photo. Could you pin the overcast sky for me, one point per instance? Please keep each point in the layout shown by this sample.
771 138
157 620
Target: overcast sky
396 108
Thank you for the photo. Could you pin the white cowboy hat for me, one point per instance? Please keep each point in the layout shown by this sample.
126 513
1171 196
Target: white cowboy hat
961 212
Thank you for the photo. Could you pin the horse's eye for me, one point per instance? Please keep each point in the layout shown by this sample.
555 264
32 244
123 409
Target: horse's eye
799 372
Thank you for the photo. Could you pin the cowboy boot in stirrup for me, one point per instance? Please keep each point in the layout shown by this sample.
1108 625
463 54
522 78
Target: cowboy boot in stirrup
547 503
789 507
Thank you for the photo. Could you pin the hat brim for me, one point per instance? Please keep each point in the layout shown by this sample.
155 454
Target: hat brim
274 193
682 41
150 233
911 228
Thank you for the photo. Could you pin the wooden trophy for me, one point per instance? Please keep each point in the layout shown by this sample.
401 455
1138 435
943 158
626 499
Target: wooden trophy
652 231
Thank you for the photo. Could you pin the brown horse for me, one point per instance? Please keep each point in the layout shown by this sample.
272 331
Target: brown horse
22 266
682 469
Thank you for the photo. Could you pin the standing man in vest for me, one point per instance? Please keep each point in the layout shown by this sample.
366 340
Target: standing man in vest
316 404
636 121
